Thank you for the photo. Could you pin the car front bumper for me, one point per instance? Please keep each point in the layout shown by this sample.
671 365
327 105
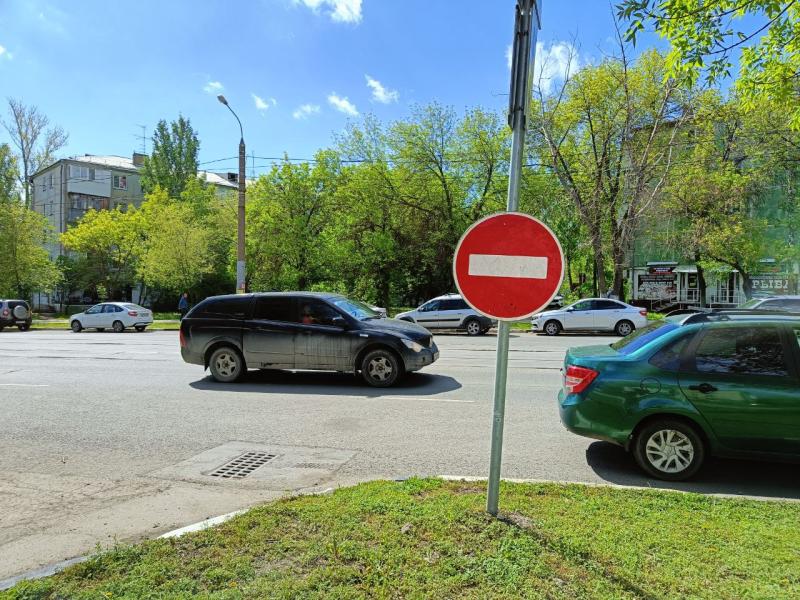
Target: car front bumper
414 361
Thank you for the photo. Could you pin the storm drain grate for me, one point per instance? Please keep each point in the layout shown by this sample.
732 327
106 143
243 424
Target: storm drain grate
242 465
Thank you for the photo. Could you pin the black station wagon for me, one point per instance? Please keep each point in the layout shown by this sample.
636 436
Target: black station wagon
303 331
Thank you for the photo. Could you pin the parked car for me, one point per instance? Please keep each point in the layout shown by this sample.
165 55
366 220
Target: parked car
381 311
778 303
15 312
448 312
591 314
304 331
721 383
112 315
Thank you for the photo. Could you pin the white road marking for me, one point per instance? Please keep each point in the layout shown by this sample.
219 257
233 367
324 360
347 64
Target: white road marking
499 265
26 384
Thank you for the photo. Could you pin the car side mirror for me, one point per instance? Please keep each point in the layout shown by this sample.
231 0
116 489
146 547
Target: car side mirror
339 322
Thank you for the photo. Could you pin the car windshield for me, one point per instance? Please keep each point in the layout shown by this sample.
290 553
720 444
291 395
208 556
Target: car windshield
642 337
356 309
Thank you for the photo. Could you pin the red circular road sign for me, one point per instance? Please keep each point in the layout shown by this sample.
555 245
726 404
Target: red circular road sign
508 266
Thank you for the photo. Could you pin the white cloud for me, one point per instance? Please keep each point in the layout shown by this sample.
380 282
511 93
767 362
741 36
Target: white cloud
5 54
554 63
342 11
342 104
262 104
380 93
213 87
508 56
306 110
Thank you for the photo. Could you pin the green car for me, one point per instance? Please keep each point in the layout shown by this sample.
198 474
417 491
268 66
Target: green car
721 383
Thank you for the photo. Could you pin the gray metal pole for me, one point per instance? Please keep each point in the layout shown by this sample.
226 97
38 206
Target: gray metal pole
240 255
525 30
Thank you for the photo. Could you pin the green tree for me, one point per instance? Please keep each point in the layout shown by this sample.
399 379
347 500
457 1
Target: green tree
176 252
37 144
173 162
705 35
109 244
8 175
608 135
25 265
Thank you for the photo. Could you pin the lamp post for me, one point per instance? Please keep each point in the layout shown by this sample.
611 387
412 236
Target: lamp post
240 261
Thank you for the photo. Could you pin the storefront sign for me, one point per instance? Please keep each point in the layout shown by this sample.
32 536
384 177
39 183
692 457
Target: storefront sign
772 283
657 287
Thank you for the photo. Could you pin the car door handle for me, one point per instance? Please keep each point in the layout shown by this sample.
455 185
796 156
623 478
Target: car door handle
705 388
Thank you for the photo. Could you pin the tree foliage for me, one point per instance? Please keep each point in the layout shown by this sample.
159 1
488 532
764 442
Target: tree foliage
704 36
173 162
25 265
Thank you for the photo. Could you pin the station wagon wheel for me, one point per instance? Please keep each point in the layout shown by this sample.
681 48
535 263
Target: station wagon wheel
624 328
118 326
76 326
473 327
226 365
380 368
669 449
552 328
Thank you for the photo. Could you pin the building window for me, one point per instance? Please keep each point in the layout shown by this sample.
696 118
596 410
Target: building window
120 182
91 174
77 173
50 180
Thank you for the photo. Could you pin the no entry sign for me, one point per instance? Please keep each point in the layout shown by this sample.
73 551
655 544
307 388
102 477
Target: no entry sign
508 266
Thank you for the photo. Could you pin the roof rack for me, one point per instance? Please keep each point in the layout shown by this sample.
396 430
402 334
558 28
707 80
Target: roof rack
725 314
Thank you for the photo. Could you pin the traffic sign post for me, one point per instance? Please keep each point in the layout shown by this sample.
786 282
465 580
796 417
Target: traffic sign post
487 267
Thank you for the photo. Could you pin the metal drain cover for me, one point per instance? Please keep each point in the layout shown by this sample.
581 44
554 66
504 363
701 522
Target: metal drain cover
242 465
253 465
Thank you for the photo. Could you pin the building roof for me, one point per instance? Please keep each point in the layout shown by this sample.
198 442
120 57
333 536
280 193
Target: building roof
125 163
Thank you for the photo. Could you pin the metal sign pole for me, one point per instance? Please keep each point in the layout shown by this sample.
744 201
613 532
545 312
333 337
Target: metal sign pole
526 26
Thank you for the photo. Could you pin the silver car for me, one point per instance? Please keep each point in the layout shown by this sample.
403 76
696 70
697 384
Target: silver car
591 314
778 303
112 315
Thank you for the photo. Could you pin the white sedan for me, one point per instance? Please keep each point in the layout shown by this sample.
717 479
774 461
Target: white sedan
112 315
591 314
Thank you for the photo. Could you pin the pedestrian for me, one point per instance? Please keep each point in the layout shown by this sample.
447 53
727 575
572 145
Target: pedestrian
183 304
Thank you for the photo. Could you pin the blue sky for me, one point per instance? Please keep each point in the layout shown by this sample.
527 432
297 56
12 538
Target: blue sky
294 70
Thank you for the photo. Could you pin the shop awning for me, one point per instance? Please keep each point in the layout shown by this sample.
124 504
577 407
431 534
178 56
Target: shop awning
686 269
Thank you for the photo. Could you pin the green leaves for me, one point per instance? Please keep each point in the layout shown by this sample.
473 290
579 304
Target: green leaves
173 162
25 264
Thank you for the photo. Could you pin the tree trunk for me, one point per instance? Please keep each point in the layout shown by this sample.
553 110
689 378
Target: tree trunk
701 281
747 285
568 267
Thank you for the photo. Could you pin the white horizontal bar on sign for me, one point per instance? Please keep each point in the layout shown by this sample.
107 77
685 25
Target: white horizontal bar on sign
499 265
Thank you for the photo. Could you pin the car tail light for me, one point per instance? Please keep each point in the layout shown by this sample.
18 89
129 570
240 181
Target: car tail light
133 313
578 379
182 339
643 312
5 312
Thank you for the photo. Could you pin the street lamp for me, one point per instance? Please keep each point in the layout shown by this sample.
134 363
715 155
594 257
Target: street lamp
240 262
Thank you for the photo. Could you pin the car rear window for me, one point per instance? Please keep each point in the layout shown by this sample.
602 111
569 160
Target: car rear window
643 336
224 308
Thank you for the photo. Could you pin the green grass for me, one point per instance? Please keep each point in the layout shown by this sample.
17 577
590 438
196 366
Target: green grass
432 539
64 326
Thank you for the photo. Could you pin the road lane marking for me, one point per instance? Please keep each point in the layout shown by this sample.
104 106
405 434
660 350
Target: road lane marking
26 384
499 265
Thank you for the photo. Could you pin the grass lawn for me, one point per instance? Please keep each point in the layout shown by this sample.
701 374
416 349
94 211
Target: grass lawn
429 538
64 326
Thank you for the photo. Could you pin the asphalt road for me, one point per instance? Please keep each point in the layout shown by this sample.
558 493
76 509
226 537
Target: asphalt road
100 435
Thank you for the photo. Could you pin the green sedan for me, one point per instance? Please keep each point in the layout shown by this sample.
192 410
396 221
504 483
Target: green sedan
721 383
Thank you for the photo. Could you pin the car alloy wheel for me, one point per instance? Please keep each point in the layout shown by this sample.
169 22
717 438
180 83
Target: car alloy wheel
118 327
669 449
76 326
473 328
624 328
226 365
552 328
380 368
